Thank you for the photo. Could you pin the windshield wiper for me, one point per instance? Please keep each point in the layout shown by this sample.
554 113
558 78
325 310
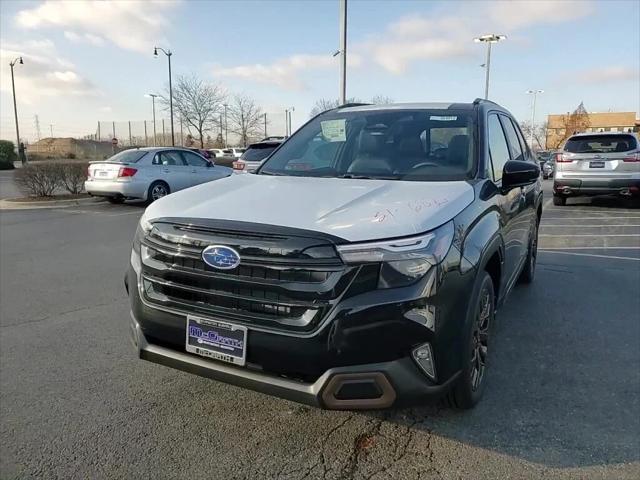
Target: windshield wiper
275 174
368 177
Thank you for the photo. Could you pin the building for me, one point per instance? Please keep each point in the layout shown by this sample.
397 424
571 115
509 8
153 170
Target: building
561 126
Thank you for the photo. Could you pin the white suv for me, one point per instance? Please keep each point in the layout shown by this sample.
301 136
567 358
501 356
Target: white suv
597 164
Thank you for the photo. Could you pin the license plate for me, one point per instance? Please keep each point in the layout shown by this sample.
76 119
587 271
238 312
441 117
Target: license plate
103 174
596 164
217 340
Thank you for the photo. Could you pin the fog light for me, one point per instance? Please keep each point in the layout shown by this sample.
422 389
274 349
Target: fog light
424 358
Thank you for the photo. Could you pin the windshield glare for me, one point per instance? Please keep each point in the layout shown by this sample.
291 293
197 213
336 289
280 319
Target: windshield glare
380 144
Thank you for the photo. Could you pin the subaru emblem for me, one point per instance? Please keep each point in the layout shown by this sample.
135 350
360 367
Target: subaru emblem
221 257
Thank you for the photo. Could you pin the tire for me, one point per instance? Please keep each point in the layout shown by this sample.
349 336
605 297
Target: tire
559 201
116 200
157 190
468 389
529 271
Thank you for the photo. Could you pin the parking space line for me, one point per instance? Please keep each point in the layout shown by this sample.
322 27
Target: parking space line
590 255
591 235
588 218
591 248
586 226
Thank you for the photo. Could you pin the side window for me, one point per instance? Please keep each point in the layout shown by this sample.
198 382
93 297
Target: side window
193 160
498 149
525 148
512 138
168 158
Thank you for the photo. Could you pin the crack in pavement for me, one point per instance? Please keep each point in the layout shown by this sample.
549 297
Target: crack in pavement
61 314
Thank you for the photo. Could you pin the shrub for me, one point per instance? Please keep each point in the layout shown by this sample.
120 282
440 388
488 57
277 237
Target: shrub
73 176
40 180
7 155
71 155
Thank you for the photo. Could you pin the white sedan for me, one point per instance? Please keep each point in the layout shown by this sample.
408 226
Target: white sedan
150 173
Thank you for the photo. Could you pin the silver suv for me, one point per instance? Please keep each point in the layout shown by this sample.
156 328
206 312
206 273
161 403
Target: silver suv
597 164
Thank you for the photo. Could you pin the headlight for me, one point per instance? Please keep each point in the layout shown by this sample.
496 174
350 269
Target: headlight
403 260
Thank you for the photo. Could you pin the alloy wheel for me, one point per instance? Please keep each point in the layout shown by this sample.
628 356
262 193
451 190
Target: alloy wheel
158 191
480 343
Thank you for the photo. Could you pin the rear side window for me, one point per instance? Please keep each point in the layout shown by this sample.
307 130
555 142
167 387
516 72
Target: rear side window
498 149
168 158
512 138
128 156
257 153
601 144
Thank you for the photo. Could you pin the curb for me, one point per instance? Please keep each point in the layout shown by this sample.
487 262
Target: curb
9 204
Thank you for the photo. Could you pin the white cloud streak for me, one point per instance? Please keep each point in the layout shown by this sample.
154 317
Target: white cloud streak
607 75
44 73
132 25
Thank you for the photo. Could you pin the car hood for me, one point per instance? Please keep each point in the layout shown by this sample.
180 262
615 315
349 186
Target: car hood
352 209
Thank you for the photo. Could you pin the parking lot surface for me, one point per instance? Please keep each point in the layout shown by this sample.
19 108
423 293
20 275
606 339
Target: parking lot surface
562 400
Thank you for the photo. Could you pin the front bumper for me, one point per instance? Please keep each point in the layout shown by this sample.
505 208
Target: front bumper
576 186
114 188
377 385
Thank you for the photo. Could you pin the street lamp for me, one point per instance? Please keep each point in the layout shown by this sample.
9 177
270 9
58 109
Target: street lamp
15 108
153 103
168 54
533 112
287 119
488 39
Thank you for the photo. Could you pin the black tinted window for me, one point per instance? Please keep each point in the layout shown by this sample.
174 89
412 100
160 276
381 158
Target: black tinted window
512 138
498 148
257 153
601 144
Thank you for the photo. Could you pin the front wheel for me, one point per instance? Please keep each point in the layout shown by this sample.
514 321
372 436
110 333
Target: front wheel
468 389
157 190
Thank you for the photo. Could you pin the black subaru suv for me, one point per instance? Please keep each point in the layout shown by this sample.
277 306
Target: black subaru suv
361 266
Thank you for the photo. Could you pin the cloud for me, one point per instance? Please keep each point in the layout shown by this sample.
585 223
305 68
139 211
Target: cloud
518 14
44 73
85 37
132 25
285 72
612 74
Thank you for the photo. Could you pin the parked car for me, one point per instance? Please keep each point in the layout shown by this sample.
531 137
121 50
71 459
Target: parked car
543 157
597 164
224 156
254 155
355 269
150 173
547 169
237 152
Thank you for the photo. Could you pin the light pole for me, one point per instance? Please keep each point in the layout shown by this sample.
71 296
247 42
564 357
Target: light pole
153 103
533 112
15 108
51 129
168 54
343 52
226 129
488 39
291 109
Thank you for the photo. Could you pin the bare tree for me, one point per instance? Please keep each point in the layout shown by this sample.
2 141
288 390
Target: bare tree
197 102
539 134
245 118
324 104
381 100
573 122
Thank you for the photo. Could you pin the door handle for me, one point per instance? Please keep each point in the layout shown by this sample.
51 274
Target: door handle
165 170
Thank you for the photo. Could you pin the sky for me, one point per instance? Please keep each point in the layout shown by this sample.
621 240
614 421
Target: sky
86 61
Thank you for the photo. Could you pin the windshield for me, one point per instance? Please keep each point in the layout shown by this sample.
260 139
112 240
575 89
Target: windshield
257 153
390 144
601 144
128 156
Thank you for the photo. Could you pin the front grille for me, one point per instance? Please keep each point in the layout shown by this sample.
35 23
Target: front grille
284 281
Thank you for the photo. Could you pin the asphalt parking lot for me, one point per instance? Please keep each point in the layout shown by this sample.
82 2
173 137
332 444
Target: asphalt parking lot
562 400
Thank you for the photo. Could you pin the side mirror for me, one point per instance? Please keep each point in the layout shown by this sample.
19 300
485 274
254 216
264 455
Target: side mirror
518 173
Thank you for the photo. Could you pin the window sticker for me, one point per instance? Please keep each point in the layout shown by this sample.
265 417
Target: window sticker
334 130
438 118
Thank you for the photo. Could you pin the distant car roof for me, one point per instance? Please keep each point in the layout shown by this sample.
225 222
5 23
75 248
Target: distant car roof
591 134
268 143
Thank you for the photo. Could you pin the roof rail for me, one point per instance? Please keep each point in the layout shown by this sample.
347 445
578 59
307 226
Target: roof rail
483 100
354 104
